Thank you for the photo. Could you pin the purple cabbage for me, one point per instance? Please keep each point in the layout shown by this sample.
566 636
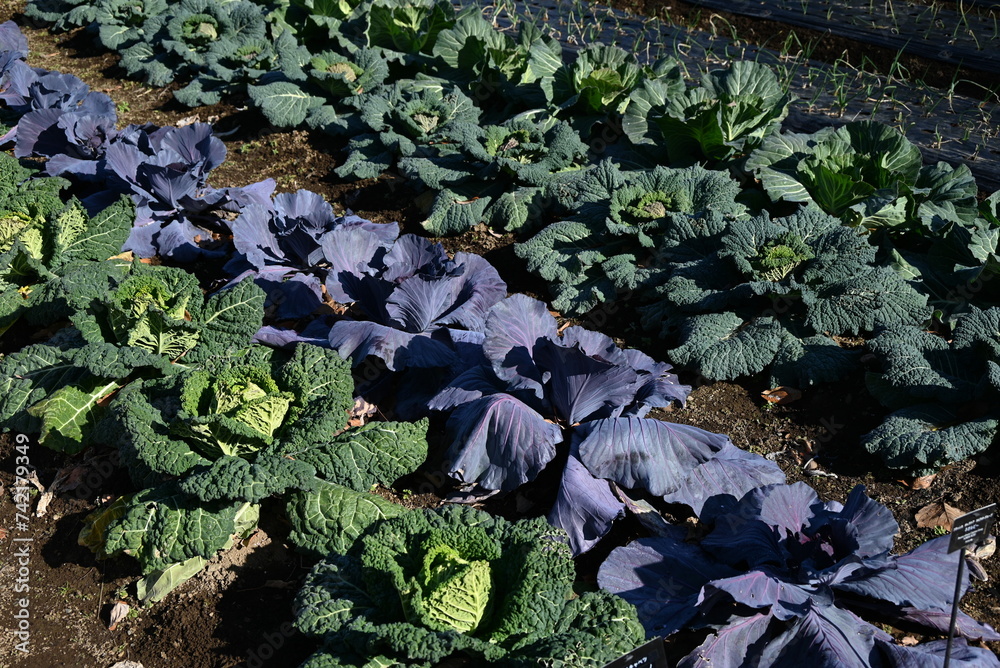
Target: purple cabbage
282 244
165 170
12 40
784 579
30 92
535 389
411 294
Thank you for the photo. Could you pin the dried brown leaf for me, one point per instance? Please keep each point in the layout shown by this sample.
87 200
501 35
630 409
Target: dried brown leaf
923 482
119 612
937 514
782 395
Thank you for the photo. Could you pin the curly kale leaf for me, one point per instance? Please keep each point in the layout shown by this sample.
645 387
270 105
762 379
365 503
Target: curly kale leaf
427 584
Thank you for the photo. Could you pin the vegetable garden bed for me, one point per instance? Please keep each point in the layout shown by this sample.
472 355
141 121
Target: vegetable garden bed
168 448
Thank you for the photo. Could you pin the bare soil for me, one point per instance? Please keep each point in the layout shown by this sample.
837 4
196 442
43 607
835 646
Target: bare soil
238 611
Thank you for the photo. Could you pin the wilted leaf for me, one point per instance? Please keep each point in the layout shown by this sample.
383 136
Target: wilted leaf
923 482
937 514
119 612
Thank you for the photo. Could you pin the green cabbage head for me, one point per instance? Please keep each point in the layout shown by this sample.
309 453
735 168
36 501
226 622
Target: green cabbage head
429 584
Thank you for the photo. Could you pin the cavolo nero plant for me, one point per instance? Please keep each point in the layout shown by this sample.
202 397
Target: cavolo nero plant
454 581
207 445
780 575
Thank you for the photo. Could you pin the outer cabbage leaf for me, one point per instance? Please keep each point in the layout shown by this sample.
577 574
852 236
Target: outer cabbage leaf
499 442
662 578
361 457
827 635
234 478
584 507
925 437
160 527
650 454
331 517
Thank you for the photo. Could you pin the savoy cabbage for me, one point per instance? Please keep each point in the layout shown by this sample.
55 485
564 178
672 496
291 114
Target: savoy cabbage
500 174
430 584
230 432
742 296
403 119
177 42
944 394
617 239
127 319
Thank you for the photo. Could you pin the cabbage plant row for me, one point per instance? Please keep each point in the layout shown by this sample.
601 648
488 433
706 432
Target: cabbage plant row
604 161
214 408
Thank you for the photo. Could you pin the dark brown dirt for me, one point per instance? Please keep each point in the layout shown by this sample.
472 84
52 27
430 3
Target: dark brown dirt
238 611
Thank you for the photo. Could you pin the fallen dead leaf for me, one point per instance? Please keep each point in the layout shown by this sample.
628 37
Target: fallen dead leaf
923 482
118 613
43 503
937 514
360 413
782 395
909 641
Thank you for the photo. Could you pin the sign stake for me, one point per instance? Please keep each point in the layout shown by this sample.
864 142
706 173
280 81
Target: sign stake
966 531
954 607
